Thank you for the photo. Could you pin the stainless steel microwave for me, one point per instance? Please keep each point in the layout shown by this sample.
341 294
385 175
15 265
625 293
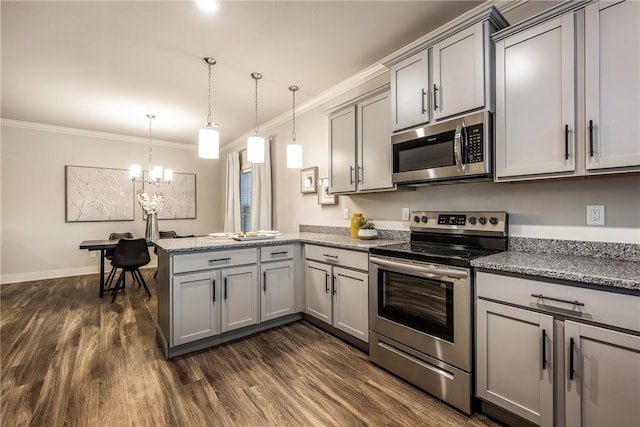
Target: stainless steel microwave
456 149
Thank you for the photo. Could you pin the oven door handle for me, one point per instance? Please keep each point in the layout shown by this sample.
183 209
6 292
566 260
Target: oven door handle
428 271
458 140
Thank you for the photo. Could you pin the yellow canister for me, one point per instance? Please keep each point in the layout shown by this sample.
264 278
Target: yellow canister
356 218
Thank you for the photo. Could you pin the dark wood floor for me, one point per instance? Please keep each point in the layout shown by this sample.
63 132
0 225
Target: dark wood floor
70 358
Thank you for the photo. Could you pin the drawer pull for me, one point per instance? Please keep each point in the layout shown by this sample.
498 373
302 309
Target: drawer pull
558 300
284 253
226 260
330 256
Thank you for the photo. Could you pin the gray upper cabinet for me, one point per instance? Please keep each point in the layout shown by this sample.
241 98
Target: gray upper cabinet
535 114
342 150
360 146
568 93
612 98
458 72
448 73
410 92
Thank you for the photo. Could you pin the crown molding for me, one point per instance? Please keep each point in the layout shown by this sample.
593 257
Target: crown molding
41 127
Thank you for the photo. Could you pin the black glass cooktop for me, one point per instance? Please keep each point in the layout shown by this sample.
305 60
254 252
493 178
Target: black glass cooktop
455 255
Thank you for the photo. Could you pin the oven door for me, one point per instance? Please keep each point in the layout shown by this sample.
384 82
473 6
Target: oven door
424 306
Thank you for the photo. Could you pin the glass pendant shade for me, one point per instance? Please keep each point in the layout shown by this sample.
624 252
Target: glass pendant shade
255 149
168 175
294 156
156 173
134 171
208 143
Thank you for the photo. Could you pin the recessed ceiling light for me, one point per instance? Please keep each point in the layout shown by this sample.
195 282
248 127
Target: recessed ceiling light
208 5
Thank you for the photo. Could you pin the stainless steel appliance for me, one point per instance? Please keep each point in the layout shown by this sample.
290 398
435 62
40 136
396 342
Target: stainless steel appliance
421 300
455 149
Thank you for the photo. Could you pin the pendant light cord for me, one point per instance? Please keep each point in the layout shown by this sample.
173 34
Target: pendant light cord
209 115
293 134
151 117
256 128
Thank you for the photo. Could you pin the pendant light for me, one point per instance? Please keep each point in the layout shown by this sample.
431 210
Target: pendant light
294 151
209 138
255 144
156 173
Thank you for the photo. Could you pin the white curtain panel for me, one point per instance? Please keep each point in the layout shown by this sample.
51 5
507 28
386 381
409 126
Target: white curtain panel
232 211
261 202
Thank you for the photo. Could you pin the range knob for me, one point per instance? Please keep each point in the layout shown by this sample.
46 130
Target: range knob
424 219
416 219
483 220
472 220
493 220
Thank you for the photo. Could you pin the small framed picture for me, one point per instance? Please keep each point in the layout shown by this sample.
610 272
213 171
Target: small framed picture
324 198
308 179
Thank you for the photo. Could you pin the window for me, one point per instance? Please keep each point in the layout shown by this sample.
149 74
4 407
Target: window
245 200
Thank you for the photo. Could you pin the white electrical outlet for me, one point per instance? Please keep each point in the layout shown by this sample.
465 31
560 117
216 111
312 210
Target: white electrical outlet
405 214
345 213
595 214
92 254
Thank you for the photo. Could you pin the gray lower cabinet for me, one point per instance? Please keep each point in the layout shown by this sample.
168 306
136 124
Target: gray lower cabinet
196 306
603 381
213 292
556 354
278 290
515 374
335 292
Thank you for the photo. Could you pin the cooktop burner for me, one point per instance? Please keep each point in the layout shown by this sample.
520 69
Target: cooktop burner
451 238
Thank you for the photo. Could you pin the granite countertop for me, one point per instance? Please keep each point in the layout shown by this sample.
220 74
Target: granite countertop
207 243
583 269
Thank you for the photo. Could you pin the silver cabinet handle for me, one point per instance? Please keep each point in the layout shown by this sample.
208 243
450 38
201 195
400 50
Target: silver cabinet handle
566 301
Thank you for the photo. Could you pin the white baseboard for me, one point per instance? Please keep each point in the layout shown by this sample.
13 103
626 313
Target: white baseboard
5 279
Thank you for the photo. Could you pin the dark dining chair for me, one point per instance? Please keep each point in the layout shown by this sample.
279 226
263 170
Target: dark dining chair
130 255
109 254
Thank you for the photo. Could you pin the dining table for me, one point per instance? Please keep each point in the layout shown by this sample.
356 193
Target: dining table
102 246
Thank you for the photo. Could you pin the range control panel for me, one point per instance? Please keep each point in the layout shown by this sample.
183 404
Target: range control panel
460 222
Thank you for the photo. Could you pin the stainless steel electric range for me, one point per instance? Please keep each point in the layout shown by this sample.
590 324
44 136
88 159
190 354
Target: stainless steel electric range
421 301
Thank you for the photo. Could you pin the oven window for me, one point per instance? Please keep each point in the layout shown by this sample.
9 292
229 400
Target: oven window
421 154
419 303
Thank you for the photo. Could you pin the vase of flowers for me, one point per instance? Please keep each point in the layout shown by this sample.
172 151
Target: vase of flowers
151 206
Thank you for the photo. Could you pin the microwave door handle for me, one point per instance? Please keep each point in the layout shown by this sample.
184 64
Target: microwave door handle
457 146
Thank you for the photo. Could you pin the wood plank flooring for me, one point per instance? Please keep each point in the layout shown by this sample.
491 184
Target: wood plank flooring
68 358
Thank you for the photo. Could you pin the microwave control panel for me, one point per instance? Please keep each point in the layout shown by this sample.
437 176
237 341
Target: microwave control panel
474 144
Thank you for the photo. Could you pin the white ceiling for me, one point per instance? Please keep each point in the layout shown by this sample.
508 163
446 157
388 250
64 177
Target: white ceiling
103 65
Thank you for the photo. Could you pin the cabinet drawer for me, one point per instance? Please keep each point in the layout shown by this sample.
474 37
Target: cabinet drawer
215 259
342 257
607 308
275 253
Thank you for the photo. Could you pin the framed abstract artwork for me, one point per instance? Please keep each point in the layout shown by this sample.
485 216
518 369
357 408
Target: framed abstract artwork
98 194
179 196
308 178
324 198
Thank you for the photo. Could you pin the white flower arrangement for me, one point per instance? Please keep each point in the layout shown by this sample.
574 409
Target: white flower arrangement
151 205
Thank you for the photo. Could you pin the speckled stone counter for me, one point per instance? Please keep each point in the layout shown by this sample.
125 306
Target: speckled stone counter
207 243
589 270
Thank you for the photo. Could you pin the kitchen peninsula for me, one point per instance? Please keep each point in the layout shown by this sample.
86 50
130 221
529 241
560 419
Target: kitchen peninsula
212 290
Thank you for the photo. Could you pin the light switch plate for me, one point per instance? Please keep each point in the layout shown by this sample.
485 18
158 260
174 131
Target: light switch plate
345 214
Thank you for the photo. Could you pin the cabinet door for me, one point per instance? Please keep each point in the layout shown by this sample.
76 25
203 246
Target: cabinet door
239 297
317 286
374 143
458 72
515 360
277 294
196 302
351 302
602 382
535 112
410 91
612 96
342 150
